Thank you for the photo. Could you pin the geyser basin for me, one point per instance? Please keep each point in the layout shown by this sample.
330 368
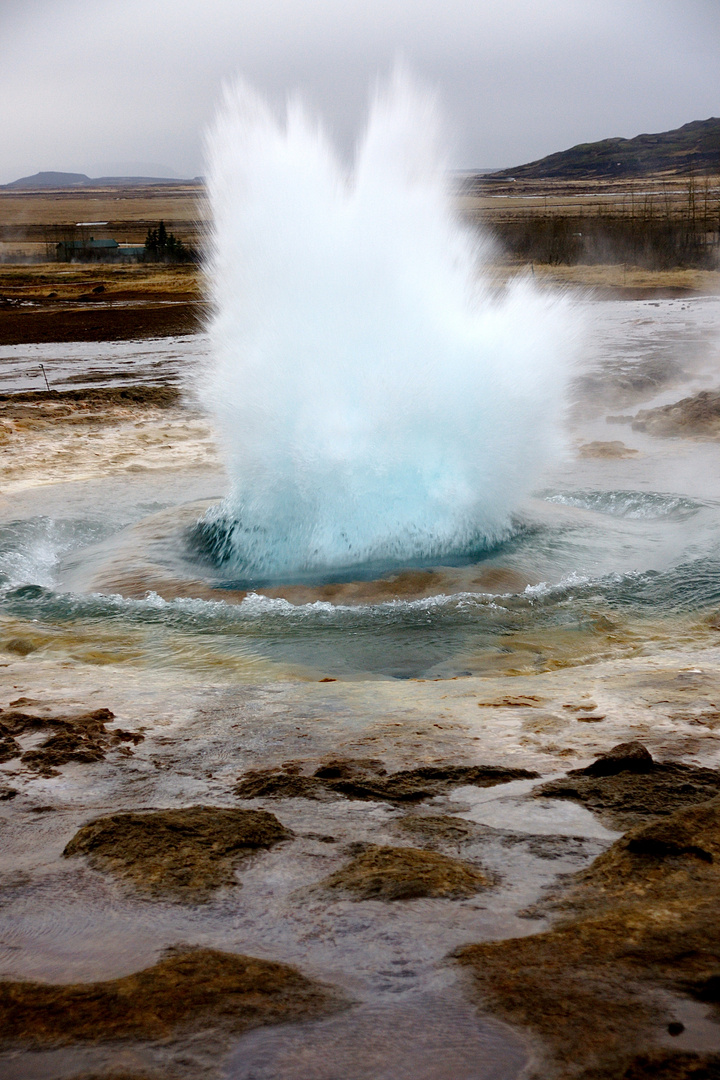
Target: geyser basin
377 404
609 561
211 544
98 570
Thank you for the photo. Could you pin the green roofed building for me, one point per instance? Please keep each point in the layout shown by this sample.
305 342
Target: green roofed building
86 250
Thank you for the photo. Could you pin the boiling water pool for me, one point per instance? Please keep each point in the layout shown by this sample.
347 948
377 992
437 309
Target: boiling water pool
610 550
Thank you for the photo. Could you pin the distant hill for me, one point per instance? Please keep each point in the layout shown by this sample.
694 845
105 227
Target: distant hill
692 148
43 180
49 180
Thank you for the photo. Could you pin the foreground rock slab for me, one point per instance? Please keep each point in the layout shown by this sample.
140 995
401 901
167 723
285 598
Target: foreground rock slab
404 873
639 923
183 854
626 786
188 990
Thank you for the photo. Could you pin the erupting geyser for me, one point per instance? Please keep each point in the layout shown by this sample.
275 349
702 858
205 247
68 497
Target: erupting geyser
378 403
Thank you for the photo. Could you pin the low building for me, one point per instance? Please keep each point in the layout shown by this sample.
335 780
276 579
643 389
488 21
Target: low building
132 252
87 250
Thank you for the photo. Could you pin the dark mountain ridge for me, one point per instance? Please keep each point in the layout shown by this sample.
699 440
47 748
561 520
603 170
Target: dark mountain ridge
692 148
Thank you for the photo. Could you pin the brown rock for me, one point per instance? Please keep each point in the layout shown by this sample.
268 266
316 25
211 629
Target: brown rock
692 416
145 394
9 748
83 737
666 1065
513 701
185 854
630 797
188 990
613 449
266 783
59 749
19 646
388 873
683 834
363 778
641 918
663 853
122 1075
438 828
625 757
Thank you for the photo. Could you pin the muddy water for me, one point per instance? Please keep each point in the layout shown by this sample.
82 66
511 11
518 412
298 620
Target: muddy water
430 1037
90 363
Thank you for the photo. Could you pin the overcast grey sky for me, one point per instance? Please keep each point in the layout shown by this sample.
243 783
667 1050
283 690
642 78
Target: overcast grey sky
100 86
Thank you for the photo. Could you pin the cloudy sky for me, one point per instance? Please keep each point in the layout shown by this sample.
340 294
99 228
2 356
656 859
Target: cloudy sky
127 86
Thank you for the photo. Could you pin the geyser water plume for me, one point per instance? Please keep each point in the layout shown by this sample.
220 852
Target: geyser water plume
377 402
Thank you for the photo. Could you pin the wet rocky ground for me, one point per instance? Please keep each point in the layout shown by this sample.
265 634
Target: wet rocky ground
165 899
610 988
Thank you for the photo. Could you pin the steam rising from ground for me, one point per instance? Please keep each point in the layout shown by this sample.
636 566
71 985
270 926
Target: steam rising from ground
376 402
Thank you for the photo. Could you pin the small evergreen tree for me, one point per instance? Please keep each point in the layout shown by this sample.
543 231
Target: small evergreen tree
151 243
164 246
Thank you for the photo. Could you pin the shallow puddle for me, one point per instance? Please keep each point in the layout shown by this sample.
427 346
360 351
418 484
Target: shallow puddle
424 1038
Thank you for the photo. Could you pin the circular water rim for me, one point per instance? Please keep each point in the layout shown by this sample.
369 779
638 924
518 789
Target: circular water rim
429 622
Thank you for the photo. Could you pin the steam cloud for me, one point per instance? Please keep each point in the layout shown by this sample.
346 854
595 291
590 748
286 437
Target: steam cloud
377 401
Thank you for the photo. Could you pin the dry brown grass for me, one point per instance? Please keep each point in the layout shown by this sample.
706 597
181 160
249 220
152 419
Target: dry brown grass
504 198
100 204
33 222
68 280
610 276
636 277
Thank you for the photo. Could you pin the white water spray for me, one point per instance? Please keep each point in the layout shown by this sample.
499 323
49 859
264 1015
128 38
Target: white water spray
376 402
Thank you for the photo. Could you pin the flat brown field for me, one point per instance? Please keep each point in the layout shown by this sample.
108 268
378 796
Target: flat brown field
491 199
47 301
44 217
56 302
100 302
615 280
69 281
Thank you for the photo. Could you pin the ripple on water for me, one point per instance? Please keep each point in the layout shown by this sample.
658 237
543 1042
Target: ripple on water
425 1038
651 505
